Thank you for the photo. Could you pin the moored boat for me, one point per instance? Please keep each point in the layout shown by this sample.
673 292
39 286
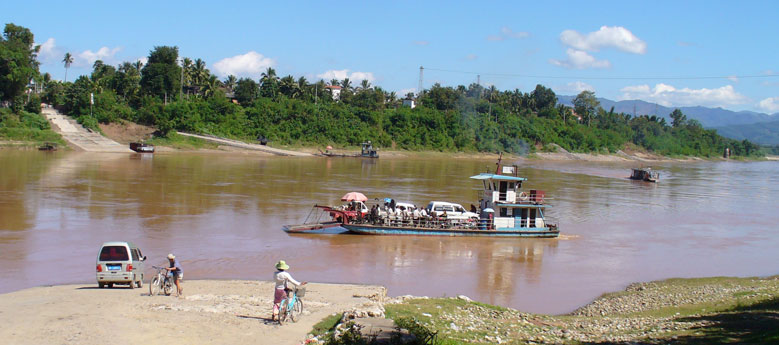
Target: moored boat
367 151
645 174
142 147
47 146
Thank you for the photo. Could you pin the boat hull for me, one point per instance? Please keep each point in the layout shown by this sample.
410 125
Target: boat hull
367 229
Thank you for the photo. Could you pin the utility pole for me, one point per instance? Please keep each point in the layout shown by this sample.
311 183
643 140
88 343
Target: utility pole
421 83
181 86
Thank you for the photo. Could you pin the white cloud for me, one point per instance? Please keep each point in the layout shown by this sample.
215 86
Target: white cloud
733 78
404 92
770 104
607 37
344 73
471 57
574 87
251 65
87 58
668 95
507 33
580 59
49 51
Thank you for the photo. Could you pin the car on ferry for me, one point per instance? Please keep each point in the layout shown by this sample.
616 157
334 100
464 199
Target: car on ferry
453 211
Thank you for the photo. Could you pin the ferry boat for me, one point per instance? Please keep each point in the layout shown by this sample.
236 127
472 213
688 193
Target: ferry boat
505 211
645 174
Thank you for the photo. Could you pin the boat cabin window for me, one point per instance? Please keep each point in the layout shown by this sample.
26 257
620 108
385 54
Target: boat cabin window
504 212
503 187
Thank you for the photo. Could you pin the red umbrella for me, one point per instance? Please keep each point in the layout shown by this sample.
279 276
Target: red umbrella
354 196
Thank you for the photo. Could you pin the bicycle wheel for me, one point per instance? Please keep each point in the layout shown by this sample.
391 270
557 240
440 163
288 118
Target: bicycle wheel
154 286
294 312
167 287
299 306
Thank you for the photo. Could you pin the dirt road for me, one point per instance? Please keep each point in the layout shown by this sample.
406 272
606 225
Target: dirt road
212 312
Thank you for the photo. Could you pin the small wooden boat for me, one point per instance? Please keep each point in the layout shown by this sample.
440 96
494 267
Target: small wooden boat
142 147
367 151
645 174
48 147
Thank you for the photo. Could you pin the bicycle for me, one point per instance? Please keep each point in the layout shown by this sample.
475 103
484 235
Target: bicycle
160 281
292 306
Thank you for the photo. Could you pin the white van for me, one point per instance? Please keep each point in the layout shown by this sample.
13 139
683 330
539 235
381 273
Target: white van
119 263
453 211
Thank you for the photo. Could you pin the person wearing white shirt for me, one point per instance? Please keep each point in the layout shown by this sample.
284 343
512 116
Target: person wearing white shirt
282 278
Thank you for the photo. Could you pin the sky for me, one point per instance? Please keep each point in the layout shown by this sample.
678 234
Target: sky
676 53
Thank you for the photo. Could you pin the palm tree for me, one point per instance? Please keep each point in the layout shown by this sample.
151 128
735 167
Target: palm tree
211 86
68 60
269 75
269 83
200 74
289 87
335 82
230 82
346 84
365 84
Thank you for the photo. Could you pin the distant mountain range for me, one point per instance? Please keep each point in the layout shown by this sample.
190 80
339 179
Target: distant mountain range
757 127
764 133
708 117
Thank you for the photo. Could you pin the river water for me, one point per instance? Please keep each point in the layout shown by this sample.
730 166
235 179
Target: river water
222 216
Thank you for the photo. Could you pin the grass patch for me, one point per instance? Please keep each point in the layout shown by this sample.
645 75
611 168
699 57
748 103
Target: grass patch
326 325
27 127
181 142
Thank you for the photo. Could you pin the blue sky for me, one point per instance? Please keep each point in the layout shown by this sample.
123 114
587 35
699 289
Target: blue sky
656 51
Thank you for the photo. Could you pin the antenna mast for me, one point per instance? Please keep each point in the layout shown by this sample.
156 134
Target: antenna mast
421 83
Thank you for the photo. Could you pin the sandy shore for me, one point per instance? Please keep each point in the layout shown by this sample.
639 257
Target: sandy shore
211 312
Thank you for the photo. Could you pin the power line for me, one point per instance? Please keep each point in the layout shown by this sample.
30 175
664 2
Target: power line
604 78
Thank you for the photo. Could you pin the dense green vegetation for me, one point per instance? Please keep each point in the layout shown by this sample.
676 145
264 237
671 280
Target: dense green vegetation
26 126
171 93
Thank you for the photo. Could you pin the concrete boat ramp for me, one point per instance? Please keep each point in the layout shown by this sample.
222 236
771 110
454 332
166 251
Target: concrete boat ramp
87 140
80 137
243 145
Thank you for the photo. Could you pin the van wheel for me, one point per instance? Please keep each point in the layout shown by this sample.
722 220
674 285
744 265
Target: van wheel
100 285
139 284
132 284
110 285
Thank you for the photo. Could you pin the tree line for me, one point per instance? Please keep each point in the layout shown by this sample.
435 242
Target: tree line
179 93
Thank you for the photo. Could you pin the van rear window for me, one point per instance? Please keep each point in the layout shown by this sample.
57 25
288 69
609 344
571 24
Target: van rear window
114 253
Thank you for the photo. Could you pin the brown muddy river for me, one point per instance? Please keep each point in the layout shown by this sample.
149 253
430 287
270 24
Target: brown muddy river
222 216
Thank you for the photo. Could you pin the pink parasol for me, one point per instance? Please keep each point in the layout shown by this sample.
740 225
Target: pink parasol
354 196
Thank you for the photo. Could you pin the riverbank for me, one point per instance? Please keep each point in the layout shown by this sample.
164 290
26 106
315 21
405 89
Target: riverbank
676 311
211 312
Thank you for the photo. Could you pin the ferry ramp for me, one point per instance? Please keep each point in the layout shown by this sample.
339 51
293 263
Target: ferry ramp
79 137
248 146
